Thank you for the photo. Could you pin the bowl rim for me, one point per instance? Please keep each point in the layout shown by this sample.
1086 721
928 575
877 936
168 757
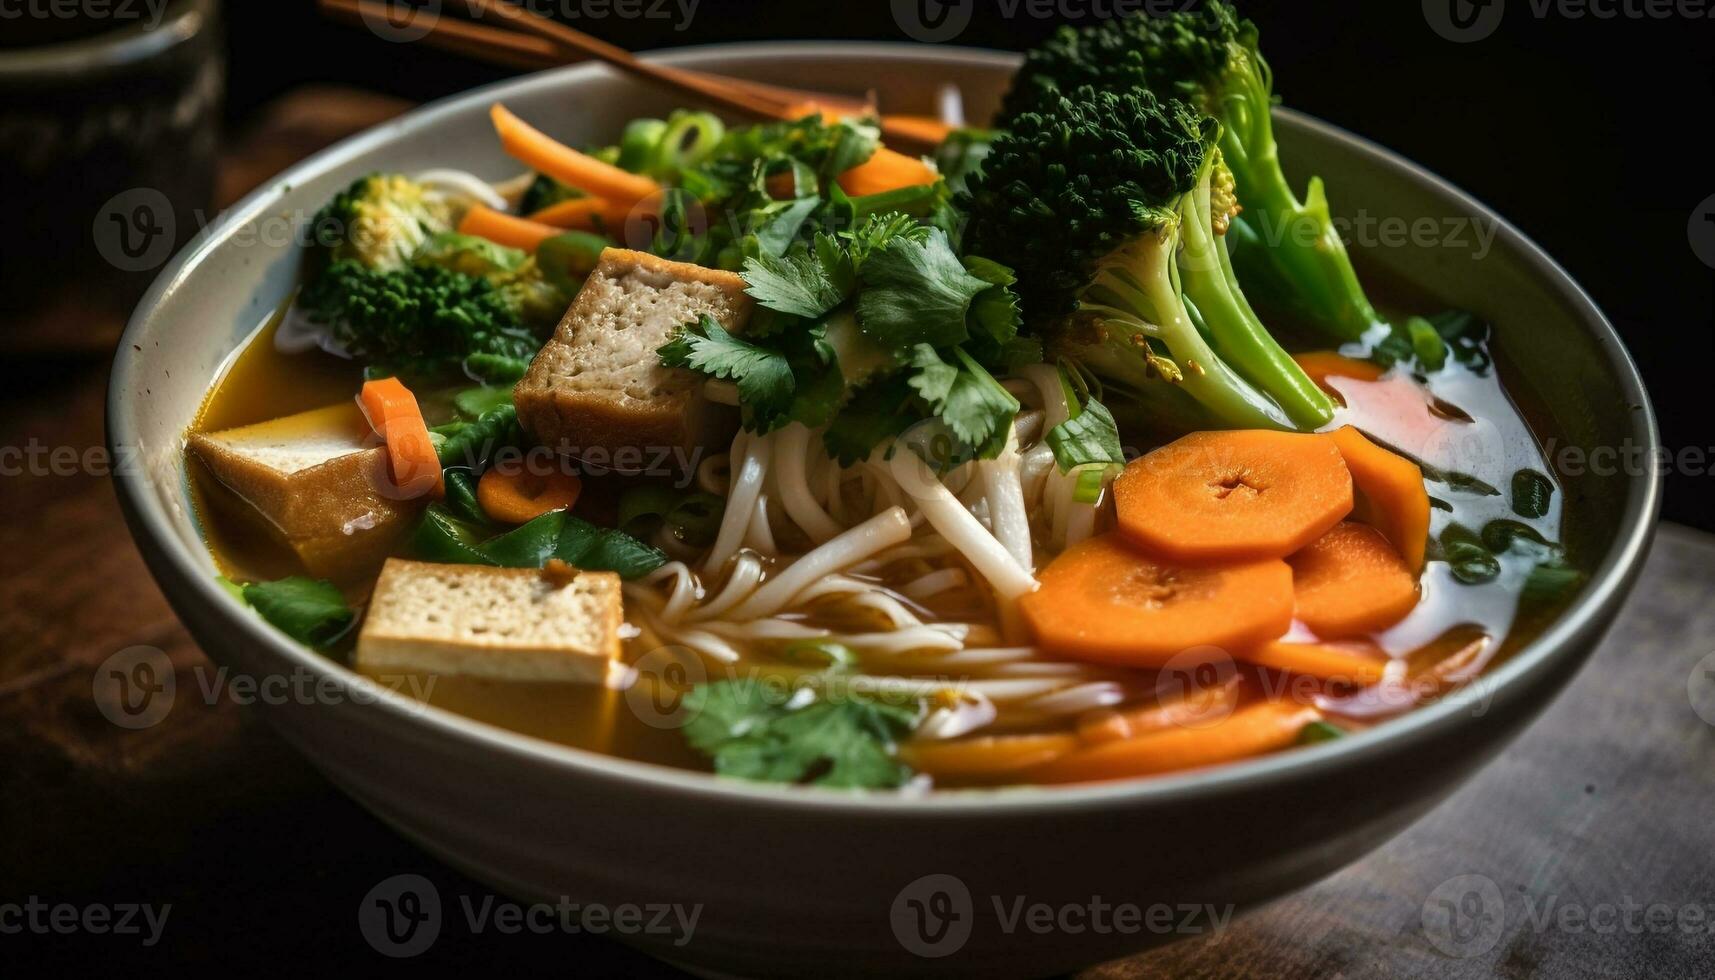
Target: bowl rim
1588 613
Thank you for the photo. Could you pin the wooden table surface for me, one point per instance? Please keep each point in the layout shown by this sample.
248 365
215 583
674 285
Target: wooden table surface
1584 851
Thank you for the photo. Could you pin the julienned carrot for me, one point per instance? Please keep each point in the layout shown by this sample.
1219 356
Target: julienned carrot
1390 494
1250 731
926 128
544 154
1359 664
1101 601
393 413
1198 708
506 229
989 756
1233 496
586 214
518 497
1324 364
1350 581
886 170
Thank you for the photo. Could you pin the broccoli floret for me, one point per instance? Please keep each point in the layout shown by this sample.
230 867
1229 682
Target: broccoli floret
381 221
531 297
418 320
1287 249
528 295
1105 205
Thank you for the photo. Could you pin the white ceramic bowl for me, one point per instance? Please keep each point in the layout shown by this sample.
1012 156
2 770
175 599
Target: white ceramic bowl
791 879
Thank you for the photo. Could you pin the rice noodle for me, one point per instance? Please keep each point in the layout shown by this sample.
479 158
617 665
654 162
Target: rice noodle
463 183
888 528
992 560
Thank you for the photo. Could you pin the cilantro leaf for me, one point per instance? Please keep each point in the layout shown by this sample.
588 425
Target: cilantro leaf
807 284
917 292
1091 436
967 398
876 230
994 313
874 415
752 731
310 611
764 377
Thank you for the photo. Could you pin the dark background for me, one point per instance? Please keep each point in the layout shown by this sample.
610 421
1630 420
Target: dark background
1587 133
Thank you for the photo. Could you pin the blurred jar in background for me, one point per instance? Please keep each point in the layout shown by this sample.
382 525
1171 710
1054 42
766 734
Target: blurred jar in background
109 112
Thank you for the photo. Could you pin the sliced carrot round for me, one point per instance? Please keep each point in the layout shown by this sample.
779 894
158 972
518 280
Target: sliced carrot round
1350 582
1101 601
517 497
1233 496
1358 663
994 755
1389 494
1260 728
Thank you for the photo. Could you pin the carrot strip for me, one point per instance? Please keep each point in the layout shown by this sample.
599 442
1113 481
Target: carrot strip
520 497
393 413
1233 496
585 214
1100 601
530 146
1390 494
1358 664
1260 728
994 755
506 229
1351 582
925 128
1324 364
886 170
1200 708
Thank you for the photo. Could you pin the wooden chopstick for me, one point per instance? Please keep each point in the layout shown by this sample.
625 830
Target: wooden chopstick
539 42
507 48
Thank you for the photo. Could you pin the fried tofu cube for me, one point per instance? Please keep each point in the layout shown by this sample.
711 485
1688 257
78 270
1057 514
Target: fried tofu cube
598 384
513 624
319 484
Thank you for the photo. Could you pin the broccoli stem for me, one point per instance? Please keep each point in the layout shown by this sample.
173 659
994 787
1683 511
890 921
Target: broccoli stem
1306 274
1238 337
1136 296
